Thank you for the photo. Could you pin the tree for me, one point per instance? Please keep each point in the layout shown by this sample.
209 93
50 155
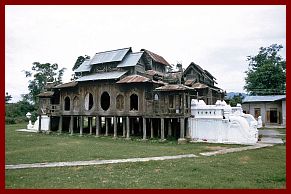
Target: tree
7 98
15 112
236 99
266 74
42 74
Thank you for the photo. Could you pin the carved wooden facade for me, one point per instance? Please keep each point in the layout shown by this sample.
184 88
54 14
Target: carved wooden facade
125 89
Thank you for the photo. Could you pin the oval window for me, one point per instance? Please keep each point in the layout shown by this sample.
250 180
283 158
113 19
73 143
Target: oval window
105 101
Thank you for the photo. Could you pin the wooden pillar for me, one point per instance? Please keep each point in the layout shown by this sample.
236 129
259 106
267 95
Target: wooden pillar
162 128
127 127
115 127
139 125
169 128
39 123
144 128
184 103
106 126
97 126
132 125
123 127
90 124
60 124
72 124
152 128
81 125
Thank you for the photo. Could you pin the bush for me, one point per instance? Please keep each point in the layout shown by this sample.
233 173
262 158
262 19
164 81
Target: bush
10 120
16 112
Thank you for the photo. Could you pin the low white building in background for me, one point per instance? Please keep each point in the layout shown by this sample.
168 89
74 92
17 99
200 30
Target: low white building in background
221 123
271 108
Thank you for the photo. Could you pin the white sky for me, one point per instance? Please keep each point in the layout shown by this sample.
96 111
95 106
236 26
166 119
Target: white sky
218 38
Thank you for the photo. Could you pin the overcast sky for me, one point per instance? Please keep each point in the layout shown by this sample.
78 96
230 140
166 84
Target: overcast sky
218 38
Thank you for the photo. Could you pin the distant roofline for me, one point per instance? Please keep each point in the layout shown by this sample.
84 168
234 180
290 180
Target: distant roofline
261 98
114 50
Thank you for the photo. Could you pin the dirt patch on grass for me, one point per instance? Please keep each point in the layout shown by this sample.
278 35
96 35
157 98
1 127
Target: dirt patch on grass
244 159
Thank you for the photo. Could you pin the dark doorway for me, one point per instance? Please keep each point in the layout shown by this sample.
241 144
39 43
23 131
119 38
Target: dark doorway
133 102
67 103
273 116
105 101
88 101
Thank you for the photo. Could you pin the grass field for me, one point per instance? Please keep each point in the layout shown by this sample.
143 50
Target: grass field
263 168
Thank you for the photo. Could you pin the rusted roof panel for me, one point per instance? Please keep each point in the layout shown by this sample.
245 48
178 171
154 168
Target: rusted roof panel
189 82
110 56
134 79
153 72
130 60
84 67
102 76
199 86
67 85
156 58
46 94
49 85
174 87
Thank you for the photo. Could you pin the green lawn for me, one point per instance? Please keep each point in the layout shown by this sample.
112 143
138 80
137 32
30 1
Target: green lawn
263 168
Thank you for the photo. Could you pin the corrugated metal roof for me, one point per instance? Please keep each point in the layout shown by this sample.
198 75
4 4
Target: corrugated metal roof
156 58
109 56
263 98
46 94
67 85
130 60
85 66
134 79
102 76
174 87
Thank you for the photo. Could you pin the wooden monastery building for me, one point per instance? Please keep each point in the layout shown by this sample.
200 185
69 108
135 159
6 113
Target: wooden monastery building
123 94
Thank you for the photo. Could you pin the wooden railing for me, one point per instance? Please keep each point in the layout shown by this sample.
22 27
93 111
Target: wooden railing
54 109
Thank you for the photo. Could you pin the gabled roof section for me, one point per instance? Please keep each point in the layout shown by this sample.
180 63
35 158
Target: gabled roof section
130 60
67 85
84 67
174 87
110 56
46 94
157 58
263 98
195 65
202 71
134 79
102 76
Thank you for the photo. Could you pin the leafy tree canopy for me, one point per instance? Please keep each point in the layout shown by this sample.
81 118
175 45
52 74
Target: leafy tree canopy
236 99
266 74
41 74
